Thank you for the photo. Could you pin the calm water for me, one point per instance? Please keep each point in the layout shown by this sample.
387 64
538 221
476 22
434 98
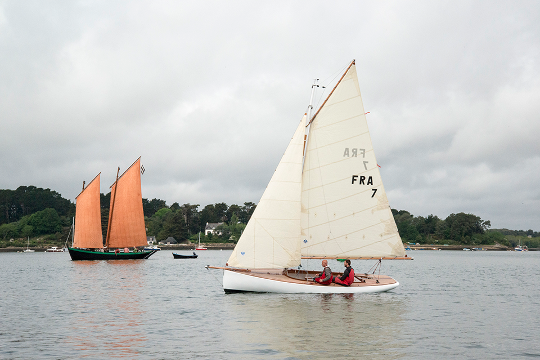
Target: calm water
472 305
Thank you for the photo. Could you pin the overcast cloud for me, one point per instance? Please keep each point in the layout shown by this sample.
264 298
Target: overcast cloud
209 93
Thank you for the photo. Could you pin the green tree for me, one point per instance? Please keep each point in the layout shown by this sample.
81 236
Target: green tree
26 200
207 215
191 217
220 212
246 212
45 222
175 226
463 226
233 210
152 206
9 231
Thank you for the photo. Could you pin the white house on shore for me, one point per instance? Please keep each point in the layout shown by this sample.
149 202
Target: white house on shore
151 240
211 229
169 241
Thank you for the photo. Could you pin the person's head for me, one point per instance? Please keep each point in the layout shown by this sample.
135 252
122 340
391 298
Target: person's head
325 263
347 263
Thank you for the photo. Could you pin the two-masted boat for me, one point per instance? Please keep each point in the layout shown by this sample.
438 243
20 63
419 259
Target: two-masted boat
126 228
325 200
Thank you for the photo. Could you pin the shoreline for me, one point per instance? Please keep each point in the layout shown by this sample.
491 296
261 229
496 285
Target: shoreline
461 247
230 246
188 247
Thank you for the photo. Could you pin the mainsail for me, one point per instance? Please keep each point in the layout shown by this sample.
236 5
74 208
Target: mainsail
345 211
271 237
126 216
88 217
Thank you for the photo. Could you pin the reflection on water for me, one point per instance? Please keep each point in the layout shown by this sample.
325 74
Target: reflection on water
108 315
316 326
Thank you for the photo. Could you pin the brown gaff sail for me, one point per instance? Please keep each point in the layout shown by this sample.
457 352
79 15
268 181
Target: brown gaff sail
88 217
126 216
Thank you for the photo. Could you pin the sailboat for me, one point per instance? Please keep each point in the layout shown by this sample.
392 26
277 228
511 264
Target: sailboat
28 246
200 247
520 248
325 200
126 226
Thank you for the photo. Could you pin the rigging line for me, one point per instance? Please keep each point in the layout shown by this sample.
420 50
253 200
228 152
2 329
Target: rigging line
207 268
329 83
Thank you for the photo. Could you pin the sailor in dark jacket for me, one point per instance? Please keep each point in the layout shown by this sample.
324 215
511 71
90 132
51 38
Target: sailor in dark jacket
325 277
348 275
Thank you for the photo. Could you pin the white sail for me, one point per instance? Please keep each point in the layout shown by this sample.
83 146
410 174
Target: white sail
271 237
345 212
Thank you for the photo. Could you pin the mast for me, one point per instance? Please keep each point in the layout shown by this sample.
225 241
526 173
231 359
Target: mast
308 114
112 209
73 233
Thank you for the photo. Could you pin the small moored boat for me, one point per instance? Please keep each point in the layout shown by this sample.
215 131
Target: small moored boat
200 247
182 256
54 249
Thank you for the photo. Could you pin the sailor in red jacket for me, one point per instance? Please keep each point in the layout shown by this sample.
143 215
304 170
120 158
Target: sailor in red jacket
325 277
348 276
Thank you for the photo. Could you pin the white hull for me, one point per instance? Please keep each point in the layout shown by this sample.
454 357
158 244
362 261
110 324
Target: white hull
234 281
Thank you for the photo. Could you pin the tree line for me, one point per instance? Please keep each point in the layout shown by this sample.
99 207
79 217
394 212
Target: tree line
461 228
29 211
26 200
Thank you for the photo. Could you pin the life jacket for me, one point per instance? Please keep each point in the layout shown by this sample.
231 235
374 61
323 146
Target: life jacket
348 281
327 282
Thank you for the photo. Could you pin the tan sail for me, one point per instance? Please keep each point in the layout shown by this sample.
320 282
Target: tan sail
271 237
126 217
345 211
88 217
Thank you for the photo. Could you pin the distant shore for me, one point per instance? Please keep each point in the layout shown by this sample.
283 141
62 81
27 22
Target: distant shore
209 246
230 246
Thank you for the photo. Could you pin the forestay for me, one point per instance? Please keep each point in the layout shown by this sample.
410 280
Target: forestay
345 211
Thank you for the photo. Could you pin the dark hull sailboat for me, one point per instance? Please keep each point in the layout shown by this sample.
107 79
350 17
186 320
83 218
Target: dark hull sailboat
80 254
126 228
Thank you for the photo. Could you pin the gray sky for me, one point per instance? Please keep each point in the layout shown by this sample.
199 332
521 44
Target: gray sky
209 93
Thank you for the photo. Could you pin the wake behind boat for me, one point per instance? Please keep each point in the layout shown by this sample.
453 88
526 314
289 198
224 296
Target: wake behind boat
126 226
325 200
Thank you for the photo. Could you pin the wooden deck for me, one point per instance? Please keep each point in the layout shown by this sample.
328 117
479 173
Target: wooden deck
301 276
